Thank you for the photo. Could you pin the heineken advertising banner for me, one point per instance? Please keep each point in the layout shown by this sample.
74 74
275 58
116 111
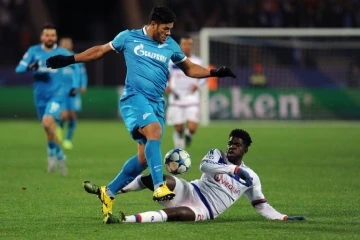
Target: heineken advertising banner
226 103
238 103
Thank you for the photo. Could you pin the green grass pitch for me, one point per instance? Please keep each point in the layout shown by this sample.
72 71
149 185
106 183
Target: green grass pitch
310 169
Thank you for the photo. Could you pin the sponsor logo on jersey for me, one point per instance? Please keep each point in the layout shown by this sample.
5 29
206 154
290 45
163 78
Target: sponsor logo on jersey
219 179
139 50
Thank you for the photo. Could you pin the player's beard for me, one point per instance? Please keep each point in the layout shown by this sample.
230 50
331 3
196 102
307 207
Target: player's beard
49 44
158 38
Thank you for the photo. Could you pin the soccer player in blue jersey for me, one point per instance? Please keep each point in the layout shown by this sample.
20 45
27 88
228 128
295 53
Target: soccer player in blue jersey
72 104
147 53
48 91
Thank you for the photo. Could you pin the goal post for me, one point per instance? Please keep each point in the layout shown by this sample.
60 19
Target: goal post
328 51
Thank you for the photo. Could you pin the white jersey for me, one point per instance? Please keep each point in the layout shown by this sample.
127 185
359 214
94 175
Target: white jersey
182 85
221 187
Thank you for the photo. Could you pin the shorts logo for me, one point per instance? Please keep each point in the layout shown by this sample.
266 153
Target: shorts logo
146 115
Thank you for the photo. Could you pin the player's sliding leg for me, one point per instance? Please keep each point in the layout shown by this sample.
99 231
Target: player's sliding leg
178 139
67 144
54 149
169 214
165 215
153 134
189 131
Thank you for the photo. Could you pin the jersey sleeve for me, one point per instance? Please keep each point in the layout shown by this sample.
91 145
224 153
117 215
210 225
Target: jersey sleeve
25 61
258 201
118 44
178 56
201 81
254 194
214 163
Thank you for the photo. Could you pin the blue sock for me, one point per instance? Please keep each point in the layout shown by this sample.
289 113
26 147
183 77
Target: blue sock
154 160
61 123
71 129
59 152
51 148
131 169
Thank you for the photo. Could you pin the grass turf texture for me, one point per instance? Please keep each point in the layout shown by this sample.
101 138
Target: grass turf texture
309 169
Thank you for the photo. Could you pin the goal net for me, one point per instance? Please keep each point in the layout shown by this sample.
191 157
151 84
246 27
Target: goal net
283 74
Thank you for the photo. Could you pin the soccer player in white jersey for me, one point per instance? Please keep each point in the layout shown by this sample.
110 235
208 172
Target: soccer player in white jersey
184 98
224 180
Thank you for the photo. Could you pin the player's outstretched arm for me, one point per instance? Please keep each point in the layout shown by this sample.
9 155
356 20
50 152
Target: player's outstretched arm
196 71
88 55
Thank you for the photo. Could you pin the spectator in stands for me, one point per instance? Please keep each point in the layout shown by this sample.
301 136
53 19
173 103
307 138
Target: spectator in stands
258 78
354 76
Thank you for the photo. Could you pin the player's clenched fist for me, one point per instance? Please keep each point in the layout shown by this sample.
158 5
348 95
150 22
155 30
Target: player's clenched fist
222 72
60 61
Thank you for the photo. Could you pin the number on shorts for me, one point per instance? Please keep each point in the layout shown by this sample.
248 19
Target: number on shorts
54 107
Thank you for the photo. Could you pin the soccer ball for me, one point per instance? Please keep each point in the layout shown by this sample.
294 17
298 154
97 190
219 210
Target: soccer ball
177 161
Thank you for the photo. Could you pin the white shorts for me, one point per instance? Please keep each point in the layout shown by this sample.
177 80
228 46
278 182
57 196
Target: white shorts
180 115
186 196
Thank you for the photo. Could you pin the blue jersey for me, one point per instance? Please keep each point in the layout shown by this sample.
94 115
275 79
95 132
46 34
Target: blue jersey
74 76
147 62
83 75
47 82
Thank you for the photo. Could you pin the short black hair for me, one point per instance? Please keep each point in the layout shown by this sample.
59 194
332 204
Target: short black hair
244 135
162 15
48 26
186 37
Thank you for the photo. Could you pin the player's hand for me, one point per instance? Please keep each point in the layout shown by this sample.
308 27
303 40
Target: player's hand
73 92
194 88
33 66
295 218
82 90
60 61
244 175
222 72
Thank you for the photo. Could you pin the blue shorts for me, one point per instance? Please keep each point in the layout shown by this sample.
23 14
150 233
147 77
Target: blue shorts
52 106
72 104
138 111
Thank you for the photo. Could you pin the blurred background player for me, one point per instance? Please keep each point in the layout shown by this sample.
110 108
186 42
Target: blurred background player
49 92
184 98
224 180
72 104
147 53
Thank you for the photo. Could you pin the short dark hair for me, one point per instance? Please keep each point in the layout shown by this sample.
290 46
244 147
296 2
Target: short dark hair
186 37
48 26
162 15
244 135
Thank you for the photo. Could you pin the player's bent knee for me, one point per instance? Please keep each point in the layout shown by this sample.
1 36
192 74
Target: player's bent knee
72 115
48 121
179 128
152 131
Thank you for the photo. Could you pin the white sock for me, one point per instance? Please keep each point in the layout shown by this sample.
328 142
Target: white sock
178 141
135 185
147 217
